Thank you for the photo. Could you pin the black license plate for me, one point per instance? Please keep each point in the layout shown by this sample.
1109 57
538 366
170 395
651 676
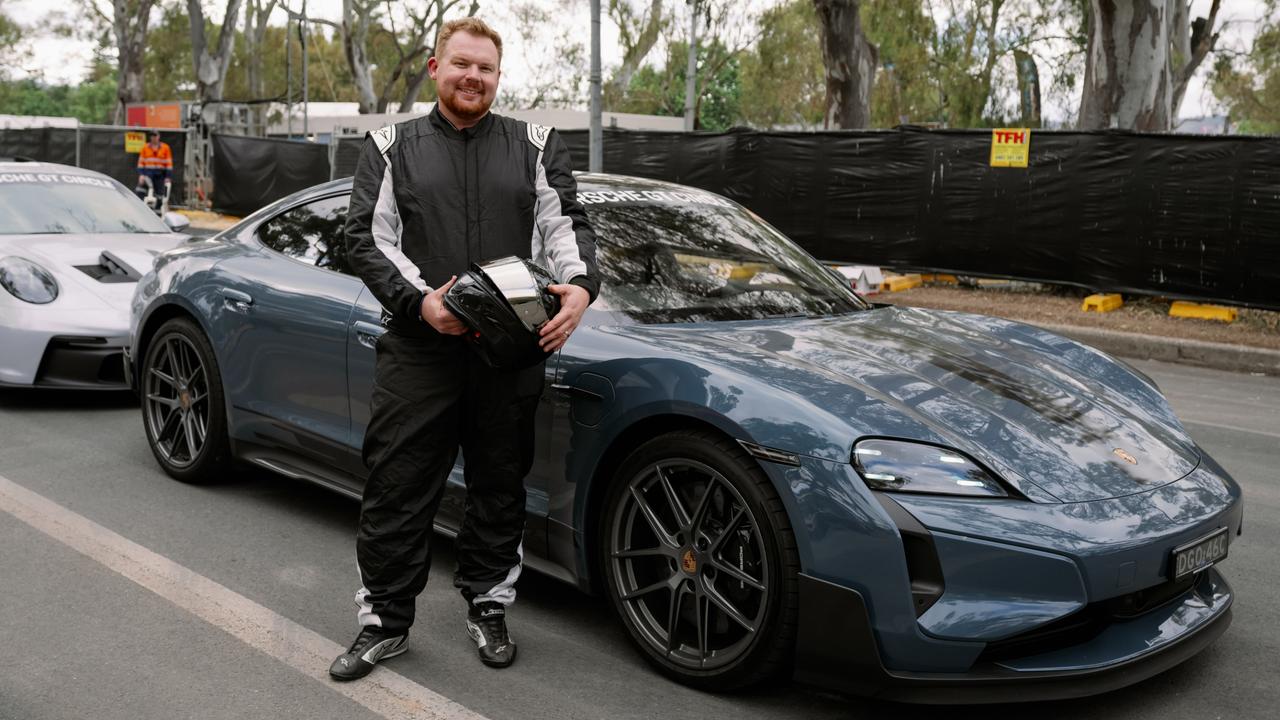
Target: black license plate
1200 554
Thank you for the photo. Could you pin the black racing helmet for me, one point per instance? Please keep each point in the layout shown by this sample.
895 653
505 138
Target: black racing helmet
504 303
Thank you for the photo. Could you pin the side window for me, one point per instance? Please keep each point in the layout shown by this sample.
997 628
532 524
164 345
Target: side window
311 233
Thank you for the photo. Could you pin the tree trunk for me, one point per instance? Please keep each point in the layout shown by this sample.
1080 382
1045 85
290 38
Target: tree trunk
355 38
415 84
255 33
1127 78
129 25
211 68
416 80
850 61
1028 88
1192 41
636 42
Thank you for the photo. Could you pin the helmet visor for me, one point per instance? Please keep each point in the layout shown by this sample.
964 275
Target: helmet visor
513 280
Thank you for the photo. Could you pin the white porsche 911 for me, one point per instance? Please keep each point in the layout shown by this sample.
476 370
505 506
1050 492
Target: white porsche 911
73 244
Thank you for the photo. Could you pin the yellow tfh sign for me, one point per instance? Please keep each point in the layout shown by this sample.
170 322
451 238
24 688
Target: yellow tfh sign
1010 147
133 142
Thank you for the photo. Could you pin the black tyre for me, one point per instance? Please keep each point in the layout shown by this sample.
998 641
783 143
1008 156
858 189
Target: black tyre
701 562
183 411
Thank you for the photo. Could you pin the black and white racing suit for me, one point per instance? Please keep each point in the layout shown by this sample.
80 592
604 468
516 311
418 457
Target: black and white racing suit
428 200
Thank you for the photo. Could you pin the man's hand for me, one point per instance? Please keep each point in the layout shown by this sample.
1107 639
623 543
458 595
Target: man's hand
437 315
573 302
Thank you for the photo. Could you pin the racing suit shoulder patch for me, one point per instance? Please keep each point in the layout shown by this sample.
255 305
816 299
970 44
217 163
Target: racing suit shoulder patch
384 138
538 134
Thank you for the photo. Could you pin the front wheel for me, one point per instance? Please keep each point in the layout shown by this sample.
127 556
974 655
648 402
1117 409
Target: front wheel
701 562
182 404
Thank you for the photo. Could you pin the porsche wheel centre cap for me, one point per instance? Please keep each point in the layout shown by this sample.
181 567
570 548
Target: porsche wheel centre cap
689 561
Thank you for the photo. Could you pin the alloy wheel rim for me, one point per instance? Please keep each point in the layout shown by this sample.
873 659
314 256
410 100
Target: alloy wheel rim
691 566
177 398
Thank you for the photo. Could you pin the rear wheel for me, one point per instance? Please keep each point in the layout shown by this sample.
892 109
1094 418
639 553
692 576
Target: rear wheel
701 561
182 404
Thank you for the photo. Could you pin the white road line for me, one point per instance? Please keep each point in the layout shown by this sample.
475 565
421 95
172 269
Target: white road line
384 692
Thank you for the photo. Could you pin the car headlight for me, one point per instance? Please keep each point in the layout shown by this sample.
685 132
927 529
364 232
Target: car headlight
901 466
27 281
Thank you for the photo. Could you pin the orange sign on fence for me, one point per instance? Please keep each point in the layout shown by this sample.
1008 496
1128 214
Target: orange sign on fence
156 115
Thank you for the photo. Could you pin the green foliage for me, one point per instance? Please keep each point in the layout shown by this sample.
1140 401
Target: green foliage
10 36
656 91
328 77
782 76
91 101
906 89
1249 84
170 75
167 71
10 33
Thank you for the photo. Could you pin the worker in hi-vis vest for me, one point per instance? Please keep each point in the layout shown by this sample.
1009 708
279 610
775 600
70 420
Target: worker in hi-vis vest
155 164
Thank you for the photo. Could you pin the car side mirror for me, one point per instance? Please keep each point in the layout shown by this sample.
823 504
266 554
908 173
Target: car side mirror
177 222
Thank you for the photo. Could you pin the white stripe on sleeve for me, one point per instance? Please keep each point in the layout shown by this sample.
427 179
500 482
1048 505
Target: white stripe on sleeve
559 243
386 229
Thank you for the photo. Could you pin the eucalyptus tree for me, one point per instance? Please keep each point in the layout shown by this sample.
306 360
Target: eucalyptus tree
129 21
850 61
1141 55
211 65
406 30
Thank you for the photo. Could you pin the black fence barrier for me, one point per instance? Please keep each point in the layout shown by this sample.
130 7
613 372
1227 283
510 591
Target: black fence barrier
249 173
101 149
345 154
1176 215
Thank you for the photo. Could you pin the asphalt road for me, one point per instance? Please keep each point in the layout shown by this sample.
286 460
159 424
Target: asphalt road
86 634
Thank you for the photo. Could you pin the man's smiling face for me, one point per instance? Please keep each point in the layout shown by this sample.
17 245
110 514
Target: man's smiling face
466 74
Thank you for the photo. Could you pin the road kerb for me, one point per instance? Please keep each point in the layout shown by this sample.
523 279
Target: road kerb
1220 356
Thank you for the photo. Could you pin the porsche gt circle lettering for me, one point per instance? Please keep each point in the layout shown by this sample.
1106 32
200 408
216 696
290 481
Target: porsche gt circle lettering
32 178
667 196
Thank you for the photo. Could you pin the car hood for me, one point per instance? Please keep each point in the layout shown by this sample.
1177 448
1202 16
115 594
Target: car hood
1042 411
61 254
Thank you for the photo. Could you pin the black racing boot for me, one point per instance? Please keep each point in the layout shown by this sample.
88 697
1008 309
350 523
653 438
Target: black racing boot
371 645
487 625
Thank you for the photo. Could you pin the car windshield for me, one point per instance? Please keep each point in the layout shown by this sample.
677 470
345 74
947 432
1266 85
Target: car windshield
60 203
690 257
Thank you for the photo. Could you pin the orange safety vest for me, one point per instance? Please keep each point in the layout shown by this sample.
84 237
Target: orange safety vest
155 159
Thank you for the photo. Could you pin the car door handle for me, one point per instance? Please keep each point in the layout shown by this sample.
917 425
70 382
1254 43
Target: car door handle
236 301
367 333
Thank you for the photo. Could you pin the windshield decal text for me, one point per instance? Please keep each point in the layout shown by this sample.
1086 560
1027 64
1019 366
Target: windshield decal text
37 178
593 197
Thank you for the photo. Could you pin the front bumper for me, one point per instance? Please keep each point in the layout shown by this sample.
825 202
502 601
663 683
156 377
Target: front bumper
838 651
950 600
68 362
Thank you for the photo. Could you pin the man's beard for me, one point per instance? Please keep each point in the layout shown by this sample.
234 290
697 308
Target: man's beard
464 109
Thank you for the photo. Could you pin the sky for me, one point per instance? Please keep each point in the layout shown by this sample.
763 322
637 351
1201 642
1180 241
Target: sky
64 60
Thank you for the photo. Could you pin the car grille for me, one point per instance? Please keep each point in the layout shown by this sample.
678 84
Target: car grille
1086 623
81 362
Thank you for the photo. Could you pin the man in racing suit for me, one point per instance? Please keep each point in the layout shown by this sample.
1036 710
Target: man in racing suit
431 196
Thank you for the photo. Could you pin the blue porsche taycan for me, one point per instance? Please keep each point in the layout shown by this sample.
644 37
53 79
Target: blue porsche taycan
763 473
